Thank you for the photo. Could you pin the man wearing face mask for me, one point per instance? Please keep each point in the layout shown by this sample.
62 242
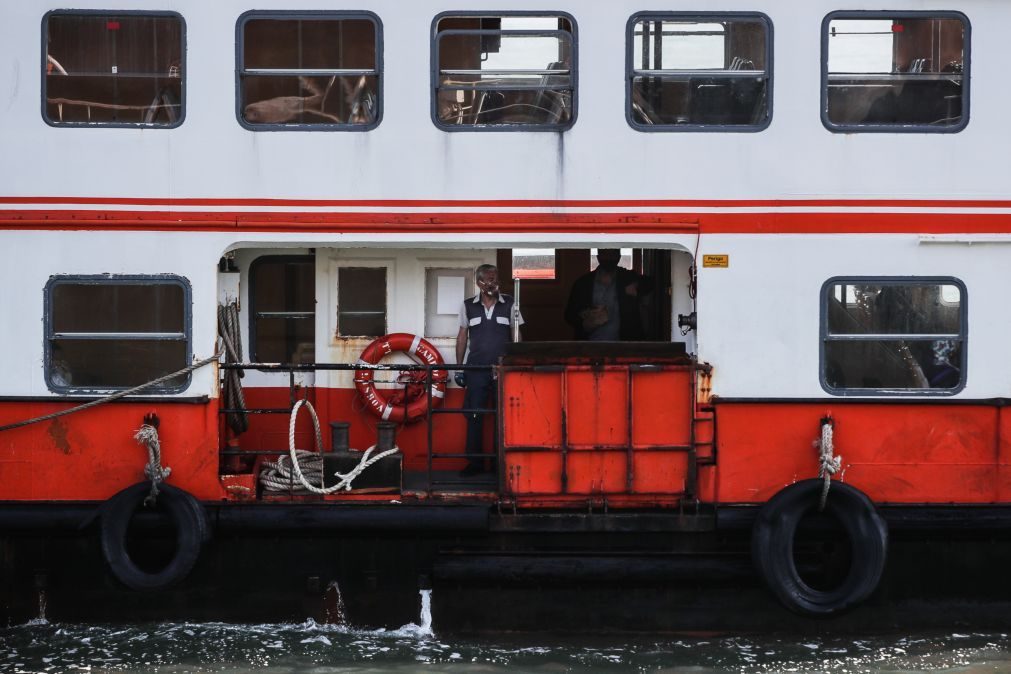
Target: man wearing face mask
486 327
604 304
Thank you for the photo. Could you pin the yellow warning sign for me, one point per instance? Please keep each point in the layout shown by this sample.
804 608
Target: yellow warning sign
715 260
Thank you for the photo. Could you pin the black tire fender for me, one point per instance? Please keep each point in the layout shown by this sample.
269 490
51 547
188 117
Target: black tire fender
188 518
772 540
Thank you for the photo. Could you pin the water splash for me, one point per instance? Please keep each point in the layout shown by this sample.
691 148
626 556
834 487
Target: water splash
426 612
334 612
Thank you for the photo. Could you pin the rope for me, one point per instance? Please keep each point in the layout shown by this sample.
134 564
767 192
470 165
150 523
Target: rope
280 475
231 337
147 435
114 396
828 465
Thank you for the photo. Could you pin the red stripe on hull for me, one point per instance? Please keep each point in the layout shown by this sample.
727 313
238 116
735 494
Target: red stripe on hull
510 223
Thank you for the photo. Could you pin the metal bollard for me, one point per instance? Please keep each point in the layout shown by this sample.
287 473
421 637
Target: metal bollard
339 436
386 436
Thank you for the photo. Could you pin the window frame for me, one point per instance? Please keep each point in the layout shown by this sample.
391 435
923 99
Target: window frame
251 296
183 67
308 15
896 14
509 127
824 337
707 17
361 263
116 279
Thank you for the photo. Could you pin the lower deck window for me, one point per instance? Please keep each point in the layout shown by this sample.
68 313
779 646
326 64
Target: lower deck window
283 309
116 332
361 302
883 336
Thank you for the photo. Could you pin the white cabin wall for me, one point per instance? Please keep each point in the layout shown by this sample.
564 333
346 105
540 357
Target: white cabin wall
759 318
405 291
407 157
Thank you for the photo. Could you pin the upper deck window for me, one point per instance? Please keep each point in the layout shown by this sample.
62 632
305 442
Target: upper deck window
116 332
893 336
699 72
309 71
504 72
895 71
113 68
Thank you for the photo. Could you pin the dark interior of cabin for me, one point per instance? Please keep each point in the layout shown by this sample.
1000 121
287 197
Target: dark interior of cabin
713 94
309 71
484 76
923 85
108 68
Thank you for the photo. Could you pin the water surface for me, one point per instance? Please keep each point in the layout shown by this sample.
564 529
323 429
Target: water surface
317 649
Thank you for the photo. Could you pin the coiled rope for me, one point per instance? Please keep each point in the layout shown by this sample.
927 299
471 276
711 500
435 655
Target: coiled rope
114 396
828 464
282 474
231 337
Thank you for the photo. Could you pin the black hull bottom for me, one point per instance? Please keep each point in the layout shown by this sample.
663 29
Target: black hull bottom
596 576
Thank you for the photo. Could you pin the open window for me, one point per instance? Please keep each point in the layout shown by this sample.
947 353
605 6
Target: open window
309 71
511 71
116 332
113 69
893 336
895 71
697 72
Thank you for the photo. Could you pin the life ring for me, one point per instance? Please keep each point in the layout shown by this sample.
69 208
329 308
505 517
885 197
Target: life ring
191 531
410 404
772 545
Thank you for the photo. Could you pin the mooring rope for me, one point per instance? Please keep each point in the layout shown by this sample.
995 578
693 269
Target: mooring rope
147 435
828 464
114 396
281 475
231 338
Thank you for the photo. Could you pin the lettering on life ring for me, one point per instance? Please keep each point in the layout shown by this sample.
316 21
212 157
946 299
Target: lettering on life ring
410 403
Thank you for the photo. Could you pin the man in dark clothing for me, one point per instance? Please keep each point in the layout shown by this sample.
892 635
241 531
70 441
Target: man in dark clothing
486 327
604 304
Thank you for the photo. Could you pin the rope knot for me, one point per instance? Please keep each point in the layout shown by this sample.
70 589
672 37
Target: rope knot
147 435
828 464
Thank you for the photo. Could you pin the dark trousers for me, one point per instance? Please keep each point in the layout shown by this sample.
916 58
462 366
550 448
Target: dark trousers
482 392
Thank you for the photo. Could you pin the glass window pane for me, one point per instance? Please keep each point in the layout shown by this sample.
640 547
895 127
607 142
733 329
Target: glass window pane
281 79
352 325
309 44
284 284
285 340
893 364
709 71
115 363
895 71
493 75
533 263
894 309
361 301
309 100
123 69
117 307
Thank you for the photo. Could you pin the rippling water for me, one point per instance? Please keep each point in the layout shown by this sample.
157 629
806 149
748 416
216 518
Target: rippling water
318 649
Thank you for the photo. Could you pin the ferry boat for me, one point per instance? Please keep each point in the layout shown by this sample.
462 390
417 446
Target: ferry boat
235 242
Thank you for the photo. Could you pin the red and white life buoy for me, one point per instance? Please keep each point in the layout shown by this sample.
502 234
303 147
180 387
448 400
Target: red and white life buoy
409 403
